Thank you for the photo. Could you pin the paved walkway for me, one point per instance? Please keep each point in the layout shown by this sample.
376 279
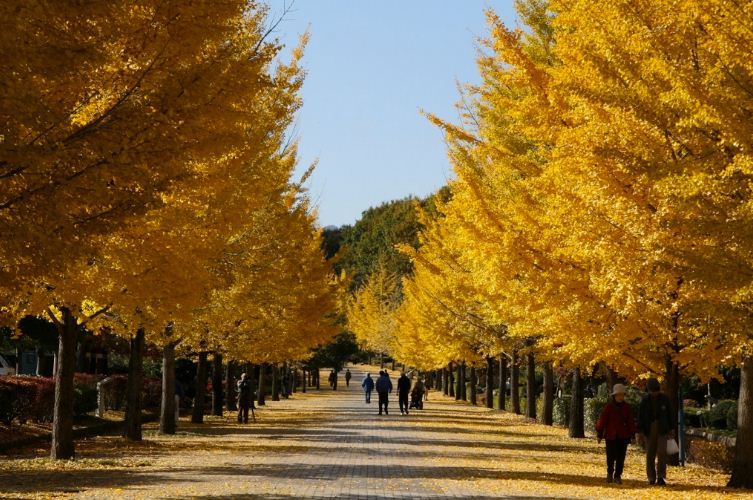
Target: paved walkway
329 444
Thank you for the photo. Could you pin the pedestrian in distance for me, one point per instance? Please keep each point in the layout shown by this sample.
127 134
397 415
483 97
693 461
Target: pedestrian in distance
616 426
368 386
284 385
245 398
383 388
417 394
656 424
403 389
347 377
332 377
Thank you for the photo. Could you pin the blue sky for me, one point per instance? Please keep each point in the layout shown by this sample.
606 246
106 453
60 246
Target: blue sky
371 67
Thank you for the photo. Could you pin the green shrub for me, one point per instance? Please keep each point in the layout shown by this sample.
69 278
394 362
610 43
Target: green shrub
732 417
696 417
717 416
561 411
84 400
592 408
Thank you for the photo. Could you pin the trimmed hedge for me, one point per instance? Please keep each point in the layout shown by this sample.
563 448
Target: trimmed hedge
29 398
151 392
25 398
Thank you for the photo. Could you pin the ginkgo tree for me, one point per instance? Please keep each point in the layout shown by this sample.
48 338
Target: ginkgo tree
130 168
602 189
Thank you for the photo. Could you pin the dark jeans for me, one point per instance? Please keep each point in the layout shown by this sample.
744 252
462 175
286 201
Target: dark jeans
383 400
616 450
403 400
242 414
656 454
368 396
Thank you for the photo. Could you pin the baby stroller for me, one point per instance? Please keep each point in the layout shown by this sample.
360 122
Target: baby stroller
417 399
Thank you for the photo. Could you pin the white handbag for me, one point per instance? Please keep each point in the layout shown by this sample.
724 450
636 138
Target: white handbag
672 448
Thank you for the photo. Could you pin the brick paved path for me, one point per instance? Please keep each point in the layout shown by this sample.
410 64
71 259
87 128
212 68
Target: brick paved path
323 444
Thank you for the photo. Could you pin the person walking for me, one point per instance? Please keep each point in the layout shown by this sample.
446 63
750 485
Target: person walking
332 379
656 424
383 388
285 384
347 377
244 398
368 386
616 426
403 389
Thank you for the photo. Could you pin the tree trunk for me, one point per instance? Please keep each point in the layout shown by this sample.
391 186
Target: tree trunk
612 379
451 380
197 412
305 375
217 396
316 377
167 408
261 401
463 381
672 382
62 424
743 462
393 364
473 385
40 359
502 380
515 384
531 386
489 382
132 430
230 383
458 379
576 407
445 382
275 382
547 418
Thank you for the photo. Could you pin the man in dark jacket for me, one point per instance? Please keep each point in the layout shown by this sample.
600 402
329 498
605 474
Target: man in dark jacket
403 389
244 399
656 424
384 388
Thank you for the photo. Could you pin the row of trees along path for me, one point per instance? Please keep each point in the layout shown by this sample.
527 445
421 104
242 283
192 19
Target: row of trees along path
600 212
147 189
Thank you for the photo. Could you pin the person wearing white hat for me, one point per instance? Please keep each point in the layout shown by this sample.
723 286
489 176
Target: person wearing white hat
617 427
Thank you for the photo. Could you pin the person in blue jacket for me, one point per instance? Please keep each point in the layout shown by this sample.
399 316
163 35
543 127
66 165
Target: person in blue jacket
368 386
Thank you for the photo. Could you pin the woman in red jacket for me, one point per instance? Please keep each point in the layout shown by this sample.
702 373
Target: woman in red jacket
617 426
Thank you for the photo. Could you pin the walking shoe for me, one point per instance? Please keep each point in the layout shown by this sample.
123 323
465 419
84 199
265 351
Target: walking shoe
652 482
660 482
618 480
